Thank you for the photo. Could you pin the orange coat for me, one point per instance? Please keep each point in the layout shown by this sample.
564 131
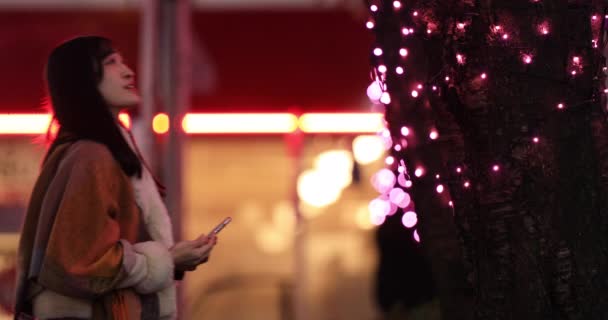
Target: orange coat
77 240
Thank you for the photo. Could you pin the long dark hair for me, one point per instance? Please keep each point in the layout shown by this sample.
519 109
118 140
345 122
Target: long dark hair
73 72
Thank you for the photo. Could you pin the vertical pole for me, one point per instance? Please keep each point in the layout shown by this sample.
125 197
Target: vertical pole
142 123
175 49
300 278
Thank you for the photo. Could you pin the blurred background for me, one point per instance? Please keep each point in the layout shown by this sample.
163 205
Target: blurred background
281 136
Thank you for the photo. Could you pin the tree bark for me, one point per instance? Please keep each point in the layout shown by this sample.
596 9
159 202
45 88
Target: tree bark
527 241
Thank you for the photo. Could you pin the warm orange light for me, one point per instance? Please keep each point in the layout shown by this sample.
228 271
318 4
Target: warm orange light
223 123
160 123
20 124
210 123
342 122
125 119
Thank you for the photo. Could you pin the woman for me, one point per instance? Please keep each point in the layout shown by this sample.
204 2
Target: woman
97 240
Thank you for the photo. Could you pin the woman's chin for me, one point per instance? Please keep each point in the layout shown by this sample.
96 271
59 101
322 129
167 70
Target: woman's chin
131 103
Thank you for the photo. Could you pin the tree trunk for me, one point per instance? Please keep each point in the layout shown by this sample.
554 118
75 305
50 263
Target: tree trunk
527 239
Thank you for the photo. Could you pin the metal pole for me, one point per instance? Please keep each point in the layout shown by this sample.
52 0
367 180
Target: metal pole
300 270
142 123
175 60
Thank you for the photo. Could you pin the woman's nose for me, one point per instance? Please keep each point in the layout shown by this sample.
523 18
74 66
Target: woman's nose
127 72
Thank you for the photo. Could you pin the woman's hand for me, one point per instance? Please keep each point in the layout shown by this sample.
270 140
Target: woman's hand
189 254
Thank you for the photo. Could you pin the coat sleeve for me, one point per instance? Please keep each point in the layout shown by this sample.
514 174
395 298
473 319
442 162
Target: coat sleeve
85 256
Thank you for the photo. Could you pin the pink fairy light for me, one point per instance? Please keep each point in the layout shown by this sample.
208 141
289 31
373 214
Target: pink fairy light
409 219
439 188
460 58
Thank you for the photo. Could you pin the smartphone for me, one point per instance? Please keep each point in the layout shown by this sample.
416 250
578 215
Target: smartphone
220 226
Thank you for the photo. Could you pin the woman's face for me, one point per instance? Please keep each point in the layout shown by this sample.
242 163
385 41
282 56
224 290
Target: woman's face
117 86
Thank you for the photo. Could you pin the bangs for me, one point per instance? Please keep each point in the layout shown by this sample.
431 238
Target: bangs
104 48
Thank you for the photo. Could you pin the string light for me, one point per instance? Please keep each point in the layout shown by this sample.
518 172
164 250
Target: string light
374 91
543 28
439 188
416 236
501 32
401 169
460 58
385 98
409 219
